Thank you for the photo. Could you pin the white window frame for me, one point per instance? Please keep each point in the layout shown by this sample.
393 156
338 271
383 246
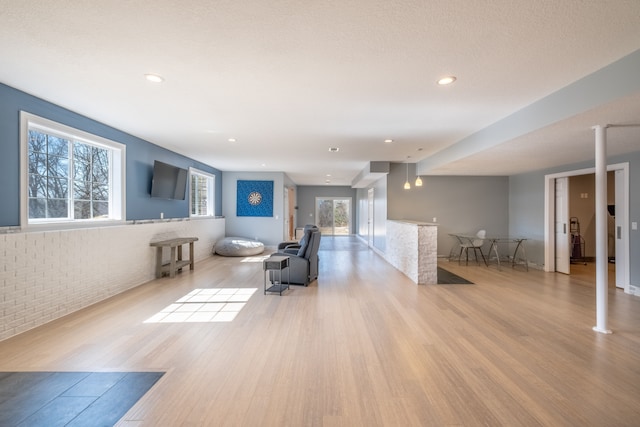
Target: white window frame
211 193
117 169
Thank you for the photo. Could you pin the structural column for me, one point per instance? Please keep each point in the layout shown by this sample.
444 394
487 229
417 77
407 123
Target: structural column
602 275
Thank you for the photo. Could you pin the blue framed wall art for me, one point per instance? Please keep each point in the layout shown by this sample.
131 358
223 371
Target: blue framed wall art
254 198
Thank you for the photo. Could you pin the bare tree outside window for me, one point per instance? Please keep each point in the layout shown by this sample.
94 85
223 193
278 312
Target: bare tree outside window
64 173
333 216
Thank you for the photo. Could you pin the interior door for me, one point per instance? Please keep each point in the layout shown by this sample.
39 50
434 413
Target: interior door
292 208
562 236
621 231
370 218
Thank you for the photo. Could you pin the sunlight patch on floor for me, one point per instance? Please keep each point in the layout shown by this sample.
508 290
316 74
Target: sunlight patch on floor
255 258
205 305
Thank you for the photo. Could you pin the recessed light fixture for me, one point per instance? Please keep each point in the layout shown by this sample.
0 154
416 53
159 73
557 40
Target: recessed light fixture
388 141
334 149
231 140
328 175
154 78
447 80
328 181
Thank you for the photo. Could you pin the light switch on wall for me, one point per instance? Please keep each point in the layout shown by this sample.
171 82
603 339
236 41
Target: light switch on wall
634 225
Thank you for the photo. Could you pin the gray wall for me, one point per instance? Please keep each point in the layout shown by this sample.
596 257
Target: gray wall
526 208
306 202
461 204
379 213
268 230
526 213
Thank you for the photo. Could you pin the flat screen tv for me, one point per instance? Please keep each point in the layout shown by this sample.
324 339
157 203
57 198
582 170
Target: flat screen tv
169 182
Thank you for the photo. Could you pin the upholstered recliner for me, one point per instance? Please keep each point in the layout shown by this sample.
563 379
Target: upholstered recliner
295 244
303 259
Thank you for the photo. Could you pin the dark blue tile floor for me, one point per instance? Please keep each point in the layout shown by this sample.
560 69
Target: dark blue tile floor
84 399
447 278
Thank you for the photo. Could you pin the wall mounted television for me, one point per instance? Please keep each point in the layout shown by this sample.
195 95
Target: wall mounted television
169 182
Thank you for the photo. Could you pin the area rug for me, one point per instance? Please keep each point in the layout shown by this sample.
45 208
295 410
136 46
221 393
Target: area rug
84 399
447 278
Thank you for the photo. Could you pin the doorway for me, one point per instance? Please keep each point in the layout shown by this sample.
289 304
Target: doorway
370 221
333 215
290 203
554 260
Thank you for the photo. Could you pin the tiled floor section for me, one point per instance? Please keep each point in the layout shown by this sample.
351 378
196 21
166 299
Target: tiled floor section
447 278
83 399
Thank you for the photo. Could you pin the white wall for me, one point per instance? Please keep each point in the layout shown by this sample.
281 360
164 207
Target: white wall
268 230
49 274
379 213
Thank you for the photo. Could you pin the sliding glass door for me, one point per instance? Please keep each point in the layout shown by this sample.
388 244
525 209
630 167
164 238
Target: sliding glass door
333 215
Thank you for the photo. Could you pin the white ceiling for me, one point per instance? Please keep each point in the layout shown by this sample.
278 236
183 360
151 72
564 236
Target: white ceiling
288 79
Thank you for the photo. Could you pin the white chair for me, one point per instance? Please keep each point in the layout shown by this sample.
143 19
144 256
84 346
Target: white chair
476 245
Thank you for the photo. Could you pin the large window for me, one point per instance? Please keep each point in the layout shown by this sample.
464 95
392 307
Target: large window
202 193
69 175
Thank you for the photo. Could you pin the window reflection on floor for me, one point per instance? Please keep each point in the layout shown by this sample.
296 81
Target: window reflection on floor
205 305
255 258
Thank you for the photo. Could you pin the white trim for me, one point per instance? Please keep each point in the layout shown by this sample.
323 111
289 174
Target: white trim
212 193
117 174
549 209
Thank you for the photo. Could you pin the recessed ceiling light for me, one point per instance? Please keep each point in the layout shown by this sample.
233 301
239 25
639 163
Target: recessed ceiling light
231 140
388 141
334 149
447 80
328 175
154 78
328 181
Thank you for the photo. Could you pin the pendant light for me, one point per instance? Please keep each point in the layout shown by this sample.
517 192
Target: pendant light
418 181
407 186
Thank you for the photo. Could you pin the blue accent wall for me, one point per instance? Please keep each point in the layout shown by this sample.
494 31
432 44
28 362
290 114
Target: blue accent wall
139 168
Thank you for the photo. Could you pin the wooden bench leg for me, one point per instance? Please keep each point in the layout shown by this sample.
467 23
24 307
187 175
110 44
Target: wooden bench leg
159 262
190 255
172 267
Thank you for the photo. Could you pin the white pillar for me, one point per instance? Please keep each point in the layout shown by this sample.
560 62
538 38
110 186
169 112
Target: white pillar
602 268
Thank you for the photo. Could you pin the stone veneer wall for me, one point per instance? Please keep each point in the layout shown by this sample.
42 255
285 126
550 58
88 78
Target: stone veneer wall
412 248
48 274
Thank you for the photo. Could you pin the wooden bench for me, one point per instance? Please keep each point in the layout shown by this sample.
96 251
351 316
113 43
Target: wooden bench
176 262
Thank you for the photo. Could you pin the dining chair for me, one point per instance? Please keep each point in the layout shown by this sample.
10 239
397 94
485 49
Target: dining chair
475 244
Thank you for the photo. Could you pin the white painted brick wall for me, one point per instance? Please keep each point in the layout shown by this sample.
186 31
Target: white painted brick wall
49 274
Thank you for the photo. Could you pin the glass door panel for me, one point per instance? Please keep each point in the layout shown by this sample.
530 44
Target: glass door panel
333 216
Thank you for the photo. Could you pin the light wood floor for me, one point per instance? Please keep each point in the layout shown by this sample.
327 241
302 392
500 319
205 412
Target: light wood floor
362 346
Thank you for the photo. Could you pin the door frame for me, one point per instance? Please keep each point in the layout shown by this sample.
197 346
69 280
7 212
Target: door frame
333 199
562 259
370 215
622 208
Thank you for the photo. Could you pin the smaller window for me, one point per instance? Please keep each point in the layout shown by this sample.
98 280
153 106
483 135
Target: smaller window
202 193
